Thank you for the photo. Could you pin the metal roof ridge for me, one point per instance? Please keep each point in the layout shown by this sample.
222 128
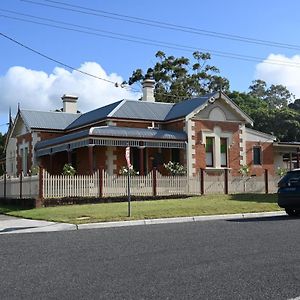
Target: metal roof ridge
140 101
117 108
45 111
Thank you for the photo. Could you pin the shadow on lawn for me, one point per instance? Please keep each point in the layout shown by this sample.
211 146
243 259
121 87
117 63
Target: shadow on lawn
6 209
258 198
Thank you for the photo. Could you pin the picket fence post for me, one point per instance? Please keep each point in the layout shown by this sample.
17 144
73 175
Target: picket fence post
266 181
100 182
226 181
154 183
41 192
21 182
202 181
4 189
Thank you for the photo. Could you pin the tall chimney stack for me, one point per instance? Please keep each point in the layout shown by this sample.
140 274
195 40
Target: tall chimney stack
70 103
148 90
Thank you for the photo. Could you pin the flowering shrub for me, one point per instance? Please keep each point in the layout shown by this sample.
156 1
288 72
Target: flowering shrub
68 170
281 171
175 168
124 171
34 170
244 170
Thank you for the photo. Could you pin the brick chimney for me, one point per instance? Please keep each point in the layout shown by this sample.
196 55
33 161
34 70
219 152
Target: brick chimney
70 103
148 90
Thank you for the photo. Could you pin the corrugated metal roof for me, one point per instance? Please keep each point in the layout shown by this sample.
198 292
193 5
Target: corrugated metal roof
114 131
62 139
47 119
183 108
94 115
131 109
140 133
140 110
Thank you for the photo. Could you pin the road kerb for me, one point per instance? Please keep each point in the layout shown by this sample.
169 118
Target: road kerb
179 220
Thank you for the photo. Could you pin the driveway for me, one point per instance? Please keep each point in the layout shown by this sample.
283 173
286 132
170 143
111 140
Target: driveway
10 224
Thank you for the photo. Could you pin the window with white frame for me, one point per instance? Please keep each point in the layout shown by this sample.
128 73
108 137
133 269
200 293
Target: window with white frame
209 151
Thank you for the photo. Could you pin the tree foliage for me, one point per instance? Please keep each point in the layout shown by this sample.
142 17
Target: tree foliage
177 78
2 144
277 119
276 96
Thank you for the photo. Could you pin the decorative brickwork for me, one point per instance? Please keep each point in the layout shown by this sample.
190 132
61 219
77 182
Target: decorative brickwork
234 147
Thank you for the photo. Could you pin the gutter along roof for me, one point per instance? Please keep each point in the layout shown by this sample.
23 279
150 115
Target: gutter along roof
114 131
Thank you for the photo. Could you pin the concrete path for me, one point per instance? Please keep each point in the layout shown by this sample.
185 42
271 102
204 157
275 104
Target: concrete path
10 224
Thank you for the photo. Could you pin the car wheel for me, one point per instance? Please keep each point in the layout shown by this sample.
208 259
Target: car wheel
292 212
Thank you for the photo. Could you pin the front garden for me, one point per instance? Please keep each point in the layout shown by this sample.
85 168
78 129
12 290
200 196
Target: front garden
191 206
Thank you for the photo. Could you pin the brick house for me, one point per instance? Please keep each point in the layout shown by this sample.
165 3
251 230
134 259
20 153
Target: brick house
206 132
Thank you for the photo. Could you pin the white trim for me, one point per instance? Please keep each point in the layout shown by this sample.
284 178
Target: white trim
35 139
110 158
259 134
116 108
218 96
217 134
243 150
190 151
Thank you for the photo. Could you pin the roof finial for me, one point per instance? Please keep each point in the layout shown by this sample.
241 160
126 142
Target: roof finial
10 120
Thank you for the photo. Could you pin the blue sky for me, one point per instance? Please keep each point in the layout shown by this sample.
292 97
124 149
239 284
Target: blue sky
37 83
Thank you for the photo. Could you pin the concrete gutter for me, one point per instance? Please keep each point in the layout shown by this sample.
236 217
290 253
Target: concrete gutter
181 220
17 225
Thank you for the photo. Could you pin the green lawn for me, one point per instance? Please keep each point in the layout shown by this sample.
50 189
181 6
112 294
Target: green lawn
193 206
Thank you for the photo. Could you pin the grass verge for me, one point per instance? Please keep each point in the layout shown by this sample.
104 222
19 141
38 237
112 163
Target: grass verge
193 206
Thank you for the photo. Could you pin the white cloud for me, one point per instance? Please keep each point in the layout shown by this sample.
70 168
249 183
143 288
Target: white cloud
41 91
280 69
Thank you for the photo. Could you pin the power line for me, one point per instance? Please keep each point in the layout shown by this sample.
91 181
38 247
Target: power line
160 24
140 40
116 84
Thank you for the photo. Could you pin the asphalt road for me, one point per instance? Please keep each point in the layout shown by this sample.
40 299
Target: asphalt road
237 259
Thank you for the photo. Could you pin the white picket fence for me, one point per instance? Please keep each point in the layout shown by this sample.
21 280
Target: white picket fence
59 186
105 185
116 185
16 187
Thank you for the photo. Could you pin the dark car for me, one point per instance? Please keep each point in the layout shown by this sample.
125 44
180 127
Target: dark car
289 192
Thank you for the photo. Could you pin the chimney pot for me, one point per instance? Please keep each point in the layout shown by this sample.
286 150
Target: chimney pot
148 90
69 103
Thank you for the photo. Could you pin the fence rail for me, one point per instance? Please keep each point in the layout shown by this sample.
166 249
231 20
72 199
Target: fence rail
101 184
19 187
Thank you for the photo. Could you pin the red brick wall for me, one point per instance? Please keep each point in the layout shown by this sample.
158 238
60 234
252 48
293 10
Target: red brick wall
234 148
48 135
133 124
176 125
267 158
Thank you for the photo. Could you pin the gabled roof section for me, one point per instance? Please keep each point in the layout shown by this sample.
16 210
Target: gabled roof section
182 109
211 98
94 115
47 120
